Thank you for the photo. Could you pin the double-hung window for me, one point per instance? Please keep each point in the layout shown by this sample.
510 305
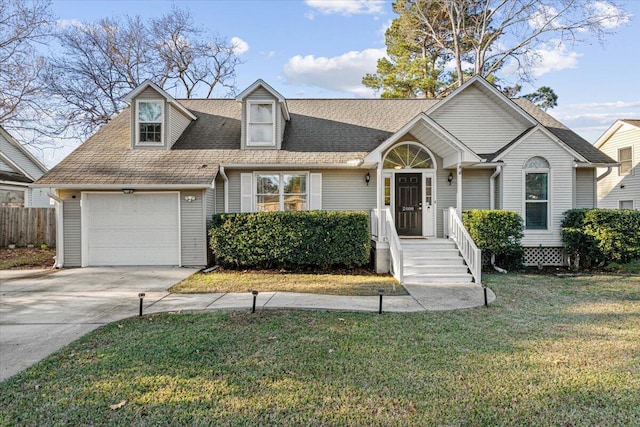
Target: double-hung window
536 176
261 123
149 122
281 191
624 158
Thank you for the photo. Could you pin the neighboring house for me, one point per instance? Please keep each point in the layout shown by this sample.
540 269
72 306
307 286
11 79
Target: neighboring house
140 191
18 169
619 187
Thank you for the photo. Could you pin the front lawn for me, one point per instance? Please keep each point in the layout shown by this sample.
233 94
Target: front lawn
549 352
358 282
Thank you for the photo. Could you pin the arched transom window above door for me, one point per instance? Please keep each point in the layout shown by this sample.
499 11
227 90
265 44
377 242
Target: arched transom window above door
408 156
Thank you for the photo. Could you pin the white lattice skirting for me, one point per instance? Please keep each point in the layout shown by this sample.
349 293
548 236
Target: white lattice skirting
544 256
537 256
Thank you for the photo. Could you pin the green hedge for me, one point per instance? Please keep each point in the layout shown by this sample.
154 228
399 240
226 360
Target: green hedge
497 232
601 236
291 239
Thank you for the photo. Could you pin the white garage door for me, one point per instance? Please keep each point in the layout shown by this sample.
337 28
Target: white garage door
131 229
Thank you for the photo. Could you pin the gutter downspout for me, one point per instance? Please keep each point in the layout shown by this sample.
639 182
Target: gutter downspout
492 204
605 174
59 230
226 189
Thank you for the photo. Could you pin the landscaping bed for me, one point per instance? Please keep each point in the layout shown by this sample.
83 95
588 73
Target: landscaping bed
26 258
549 351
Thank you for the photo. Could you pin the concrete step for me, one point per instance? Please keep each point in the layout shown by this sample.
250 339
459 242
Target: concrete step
434 269
428 244
420 254
418 279
433 261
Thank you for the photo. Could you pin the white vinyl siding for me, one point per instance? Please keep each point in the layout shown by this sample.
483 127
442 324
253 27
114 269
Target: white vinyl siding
210 202
585 188
614 188
19 158
178 122
480 122
475 189
4 167
219 206
193 233
560 180
71 217
347 190
38 198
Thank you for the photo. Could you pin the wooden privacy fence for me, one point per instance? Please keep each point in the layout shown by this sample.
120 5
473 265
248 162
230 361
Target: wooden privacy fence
27 226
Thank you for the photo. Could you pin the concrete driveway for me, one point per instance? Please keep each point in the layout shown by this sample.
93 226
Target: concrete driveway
42 311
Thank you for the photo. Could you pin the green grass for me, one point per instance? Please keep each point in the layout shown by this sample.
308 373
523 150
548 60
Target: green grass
268 281
549 352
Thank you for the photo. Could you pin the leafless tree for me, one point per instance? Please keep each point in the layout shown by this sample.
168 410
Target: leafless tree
488 33
101 62
23 25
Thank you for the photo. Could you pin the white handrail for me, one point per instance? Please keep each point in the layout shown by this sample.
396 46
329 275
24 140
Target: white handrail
396 262
470 252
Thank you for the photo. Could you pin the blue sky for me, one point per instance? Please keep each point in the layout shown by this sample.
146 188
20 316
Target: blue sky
323 48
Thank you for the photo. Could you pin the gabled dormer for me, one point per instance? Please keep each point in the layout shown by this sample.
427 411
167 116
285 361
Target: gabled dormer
157 119
264 115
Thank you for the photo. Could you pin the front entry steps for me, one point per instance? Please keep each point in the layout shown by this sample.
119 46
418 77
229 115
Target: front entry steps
433 261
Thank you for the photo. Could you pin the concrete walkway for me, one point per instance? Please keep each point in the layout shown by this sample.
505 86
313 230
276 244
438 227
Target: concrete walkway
42 311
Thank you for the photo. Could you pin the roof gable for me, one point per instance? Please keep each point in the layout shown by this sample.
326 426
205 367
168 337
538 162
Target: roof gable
19 158
149 84
614 128
261 83
487 88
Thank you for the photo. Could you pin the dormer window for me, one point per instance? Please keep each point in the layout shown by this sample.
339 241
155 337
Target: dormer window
261 129
149 122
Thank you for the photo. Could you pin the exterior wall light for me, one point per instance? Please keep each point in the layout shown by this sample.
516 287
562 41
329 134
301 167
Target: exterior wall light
367 178
190 198
450 177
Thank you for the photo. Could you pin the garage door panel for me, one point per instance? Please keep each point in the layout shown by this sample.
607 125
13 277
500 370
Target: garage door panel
132 229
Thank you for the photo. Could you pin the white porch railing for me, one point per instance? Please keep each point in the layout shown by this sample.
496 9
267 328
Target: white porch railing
389 234
470 252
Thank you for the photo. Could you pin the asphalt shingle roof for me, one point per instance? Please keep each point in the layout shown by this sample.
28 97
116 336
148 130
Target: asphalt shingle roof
320 132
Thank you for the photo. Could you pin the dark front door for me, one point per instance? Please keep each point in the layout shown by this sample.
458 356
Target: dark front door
408 204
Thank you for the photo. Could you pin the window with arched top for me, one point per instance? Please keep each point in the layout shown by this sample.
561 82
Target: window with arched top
408 156
536 197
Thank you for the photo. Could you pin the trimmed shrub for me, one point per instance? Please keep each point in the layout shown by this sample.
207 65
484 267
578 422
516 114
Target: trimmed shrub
601 236
291 239
497 232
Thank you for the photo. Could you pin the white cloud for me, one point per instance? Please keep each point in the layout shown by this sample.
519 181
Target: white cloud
239 46
548 57
338 74
345 7
67 23
553 58
591 120
611 16
268 55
